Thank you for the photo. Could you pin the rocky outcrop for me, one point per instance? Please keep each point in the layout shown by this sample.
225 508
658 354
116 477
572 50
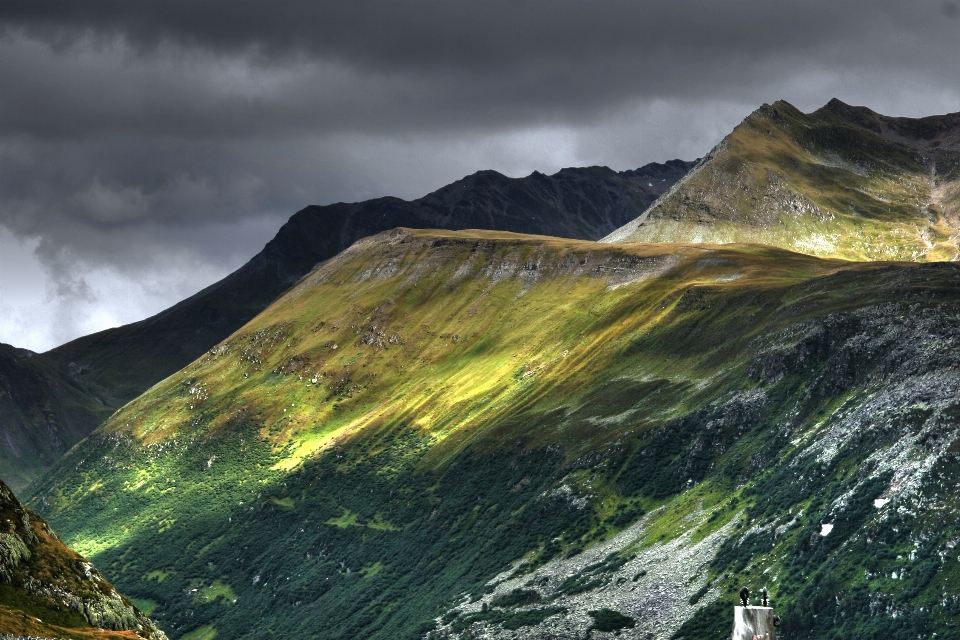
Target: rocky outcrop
47 575
658 587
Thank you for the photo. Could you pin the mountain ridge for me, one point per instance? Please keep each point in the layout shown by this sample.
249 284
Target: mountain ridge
114 366
841 182
935 131
43 411
316 233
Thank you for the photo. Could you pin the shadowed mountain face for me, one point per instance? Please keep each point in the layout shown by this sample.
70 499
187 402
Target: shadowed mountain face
47 590
52 401
446 434
842 182
43 412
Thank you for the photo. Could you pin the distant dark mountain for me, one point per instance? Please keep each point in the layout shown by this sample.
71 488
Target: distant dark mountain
43 412
841 182
57 403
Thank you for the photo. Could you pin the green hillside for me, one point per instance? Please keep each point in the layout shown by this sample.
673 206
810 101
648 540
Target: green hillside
587 203
44 410
48 591
449 432
839 182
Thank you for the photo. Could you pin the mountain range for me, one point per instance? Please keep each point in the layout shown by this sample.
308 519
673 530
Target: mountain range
396 448
472 433
75 386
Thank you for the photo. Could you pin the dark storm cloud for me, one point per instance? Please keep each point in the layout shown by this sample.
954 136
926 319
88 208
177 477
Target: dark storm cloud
152 146
385 66
491 34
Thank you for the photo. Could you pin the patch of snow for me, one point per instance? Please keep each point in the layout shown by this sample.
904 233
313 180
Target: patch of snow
825 529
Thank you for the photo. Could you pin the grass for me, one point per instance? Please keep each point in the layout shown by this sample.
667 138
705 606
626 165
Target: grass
346 520
159 576
145 604
218 591
206 632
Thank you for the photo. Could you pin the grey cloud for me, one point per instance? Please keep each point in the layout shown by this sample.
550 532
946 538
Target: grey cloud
238 68
469 35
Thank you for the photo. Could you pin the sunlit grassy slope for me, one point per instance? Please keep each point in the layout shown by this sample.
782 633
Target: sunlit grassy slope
839 182
427 408
453 334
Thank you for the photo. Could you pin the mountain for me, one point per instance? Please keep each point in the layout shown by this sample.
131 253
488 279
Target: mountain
83 381
48 591
119 364
54 400
43 412
841 182
453 434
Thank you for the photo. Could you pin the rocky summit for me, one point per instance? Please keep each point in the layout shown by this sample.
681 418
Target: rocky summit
842 181
48 591
481 434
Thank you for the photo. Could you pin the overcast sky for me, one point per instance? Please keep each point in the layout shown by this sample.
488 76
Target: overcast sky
147 149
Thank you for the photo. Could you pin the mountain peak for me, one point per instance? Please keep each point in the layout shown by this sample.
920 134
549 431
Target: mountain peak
874 187
778 112
854 115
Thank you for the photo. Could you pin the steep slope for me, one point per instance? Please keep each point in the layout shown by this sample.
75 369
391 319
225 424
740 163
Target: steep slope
43 412
53 401
48 591
839 182
119 364
83 381
482 433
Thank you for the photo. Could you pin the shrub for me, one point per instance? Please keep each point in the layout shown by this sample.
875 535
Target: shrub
516 598
610 620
